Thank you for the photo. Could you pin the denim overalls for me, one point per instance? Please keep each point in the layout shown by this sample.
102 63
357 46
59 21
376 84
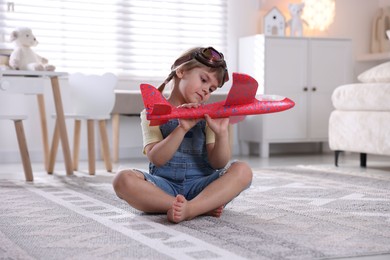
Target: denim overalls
189 171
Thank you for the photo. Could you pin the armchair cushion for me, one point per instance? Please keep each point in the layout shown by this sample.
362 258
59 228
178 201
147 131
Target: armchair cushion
362 97
379 73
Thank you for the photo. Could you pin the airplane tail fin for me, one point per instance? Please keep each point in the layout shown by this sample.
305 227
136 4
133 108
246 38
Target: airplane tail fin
155 103
242 91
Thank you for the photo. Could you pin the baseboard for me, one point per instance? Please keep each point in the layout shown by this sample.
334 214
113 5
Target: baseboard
36 156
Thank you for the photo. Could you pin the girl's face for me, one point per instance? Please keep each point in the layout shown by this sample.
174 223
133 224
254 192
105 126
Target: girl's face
196 85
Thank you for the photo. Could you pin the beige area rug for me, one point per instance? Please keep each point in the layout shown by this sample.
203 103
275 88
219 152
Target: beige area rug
301 212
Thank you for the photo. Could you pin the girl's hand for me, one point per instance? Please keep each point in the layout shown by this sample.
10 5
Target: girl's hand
218 125
187 124
189 105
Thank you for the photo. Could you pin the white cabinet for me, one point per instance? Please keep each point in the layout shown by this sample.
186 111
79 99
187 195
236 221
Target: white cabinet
307 70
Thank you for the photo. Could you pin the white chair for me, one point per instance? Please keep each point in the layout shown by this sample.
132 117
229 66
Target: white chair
35 86
93 98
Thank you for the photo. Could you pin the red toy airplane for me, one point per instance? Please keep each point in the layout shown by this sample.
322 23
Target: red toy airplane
240 101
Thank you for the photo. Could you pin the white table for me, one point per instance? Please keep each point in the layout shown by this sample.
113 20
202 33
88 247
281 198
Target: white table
7 77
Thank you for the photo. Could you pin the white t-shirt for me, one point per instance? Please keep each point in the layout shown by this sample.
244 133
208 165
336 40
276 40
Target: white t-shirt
152 134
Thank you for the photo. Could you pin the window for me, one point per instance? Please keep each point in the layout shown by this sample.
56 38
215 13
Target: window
137 38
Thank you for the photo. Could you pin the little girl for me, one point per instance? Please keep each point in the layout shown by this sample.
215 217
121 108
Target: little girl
189 171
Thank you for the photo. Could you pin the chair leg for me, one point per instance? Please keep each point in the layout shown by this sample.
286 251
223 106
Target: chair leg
53 149
105 145
115 137
91 146
76 144
23 150
363 160
336 157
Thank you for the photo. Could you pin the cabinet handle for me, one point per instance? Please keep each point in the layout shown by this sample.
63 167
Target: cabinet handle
314 89
305 89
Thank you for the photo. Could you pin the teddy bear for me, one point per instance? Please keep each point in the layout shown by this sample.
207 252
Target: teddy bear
296 22
22 56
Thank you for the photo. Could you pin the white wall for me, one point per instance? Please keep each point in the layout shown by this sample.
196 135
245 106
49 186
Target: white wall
353 20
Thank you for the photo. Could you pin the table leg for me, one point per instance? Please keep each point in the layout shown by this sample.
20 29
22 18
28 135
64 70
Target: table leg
45 135
61 125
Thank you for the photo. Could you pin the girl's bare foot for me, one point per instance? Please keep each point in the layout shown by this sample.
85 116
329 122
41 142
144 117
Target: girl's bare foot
216 212
179 210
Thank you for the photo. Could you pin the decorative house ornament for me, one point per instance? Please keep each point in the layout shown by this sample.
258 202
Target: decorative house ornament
274 23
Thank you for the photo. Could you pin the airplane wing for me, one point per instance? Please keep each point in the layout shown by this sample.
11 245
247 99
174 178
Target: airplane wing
243 90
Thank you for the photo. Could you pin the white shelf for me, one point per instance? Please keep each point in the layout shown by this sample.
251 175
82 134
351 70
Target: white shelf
380 56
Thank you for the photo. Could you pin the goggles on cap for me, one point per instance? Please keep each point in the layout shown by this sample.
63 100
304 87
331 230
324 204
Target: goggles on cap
207 56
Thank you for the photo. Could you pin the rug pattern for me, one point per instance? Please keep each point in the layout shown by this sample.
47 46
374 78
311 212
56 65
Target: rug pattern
287 213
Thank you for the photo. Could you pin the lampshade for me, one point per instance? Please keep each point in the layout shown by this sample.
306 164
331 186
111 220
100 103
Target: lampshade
319 14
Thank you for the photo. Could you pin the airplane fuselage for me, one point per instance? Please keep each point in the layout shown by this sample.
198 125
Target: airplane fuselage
219 110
